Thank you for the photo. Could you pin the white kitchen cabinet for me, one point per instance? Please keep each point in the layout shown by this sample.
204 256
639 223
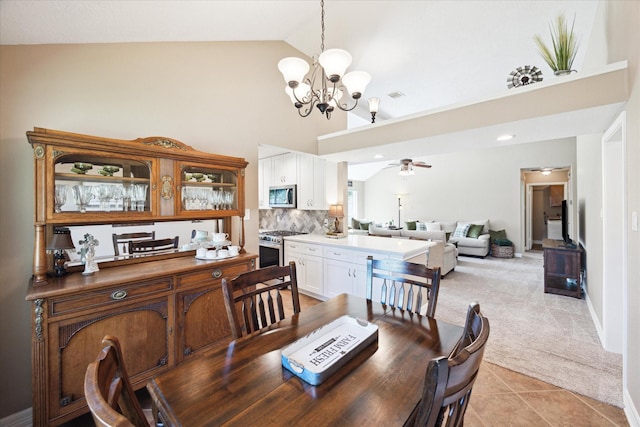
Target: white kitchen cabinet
264 181
309 266
345 271
311 183
284 169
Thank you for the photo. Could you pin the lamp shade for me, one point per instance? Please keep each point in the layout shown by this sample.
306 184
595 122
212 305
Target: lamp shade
335 211
293 69
374 103
335 63
61 240
356 82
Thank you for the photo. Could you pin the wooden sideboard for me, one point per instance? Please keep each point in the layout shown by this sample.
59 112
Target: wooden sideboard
562 268
162 311
164 308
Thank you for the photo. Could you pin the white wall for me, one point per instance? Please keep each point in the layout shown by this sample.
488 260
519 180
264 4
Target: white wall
471 185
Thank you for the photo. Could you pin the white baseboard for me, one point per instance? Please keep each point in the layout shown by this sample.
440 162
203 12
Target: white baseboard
594 319
23 418
630 410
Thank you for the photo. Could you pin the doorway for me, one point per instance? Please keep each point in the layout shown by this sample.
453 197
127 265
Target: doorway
542 211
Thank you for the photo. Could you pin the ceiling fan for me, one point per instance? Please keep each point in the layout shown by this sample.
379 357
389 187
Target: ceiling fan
407 165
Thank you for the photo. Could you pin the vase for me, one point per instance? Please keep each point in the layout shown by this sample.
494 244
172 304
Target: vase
563 72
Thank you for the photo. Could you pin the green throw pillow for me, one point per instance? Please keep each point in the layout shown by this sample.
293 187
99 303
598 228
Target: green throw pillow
497 235
448 234
503 242
475 231
355 224
411 225
364 225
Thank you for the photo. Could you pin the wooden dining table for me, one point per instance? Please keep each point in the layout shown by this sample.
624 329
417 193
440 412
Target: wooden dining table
245 383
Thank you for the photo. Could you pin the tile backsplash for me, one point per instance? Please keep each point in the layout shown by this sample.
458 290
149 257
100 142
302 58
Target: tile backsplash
312 222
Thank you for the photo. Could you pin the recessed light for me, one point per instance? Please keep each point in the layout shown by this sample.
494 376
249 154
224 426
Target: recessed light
504 137
378 156
396 94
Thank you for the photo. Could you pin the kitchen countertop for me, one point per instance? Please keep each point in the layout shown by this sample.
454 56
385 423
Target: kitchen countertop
394 247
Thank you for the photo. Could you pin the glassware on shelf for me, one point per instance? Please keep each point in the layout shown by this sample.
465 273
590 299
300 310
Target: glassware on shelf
104 193
139 197
83 195
61 191
117 195
127 192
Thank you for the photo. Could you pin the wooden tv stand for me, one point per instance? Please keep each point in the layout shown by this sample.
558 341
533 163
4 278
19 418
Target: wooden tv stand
562 268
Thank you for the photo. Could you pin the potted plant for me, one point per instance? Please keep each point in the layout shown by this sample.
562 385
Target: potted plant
565 47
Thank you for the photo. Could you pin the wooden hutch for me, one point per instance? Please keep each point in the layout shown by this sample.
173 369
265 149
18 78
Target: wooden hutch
163 308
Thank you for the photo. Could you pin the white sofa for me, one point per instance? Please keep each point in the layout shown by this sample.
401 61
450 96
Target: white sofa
469 245
443 255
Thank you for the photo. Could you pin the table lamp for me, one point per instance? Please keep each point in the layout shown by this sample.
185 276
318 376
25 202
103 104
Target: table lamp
60 242
335 211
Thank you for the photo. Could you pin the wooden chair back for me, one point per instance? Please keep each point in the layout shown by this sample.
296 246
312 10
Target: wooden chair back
124 239
145 247
404 284
254 299
449 380
108 391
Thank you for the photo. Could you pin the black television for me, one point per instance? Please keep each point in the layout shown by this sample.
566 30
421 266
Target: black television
565 223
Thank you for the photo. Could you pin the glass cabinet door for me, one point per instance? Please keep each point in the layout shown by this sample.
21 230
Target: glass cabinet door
91 183
208 189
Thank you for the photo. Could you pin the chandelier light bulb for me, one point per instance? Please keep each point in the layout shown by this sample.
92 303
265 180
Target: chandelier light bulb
293 70
335 63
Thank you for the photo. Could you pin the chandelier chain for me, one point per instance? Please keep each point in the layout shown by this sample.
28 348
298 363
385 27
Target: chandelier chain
322 26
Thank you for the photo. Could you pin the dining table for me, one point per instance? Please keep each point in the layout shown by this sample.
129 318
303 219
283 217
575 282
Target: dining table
244 383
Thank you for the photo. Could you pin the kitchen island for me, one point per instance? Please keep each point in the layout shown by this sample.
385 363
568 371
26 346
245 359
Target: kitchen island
327 267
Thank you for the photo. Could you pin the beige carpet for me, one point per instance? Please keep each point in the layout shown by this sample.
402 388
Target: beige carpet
549 337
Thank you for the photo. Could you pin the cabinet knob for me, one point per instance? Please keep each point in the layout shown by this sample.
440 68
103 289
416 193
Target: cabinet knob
119 294
216 274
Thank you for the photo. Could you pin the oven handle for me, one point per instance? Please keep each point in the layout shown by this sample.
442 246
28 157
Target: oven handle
270 245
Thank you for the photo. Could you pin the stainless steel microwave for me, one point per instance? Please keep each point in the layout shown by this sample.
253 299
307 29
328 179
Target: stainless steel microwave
282 197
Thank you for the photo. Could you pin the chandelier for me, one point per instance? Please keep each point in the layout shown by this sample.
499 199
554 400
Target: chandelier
328 74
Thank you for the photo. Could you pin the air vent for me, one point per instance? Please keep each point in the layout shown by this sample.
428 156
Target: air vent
396 94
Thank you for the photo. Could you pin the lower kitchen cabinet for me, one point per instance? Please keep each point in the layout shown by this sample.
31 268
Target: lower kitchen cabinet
161 311
345 271
309 267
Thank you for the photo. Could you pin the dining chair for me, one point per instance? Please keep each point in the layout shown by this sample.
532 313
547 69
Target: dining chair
403 284
254 299
146 247
449 380
108 391
125 238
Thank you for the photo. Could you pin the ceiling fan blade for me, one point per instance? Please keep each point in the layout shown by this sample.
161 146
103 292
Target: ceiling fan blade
421 165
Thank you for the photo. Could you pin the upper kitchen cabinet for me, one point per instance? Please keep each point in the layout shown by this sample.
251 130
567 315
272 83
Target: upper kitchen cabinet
556 195
284 169
82 179
311 183
264 181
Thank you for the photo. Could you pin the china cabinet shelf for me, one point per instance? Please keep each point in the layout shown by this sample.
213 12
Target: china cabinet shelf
98 178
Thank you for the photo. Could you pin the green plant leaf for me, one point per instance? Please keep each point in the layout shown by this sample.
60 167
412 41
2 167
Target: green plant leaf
564 43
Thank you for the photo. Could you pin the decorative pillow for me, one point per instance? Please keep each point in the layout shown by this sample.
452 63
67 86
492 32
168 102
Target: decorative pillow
422 226
497 235
411 225
433 226
475 230
447 236
364 225
355 224
461 230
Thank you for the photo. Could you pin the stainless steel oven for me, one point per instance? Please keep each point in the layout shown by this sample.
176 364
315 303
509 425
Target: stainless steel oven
271 247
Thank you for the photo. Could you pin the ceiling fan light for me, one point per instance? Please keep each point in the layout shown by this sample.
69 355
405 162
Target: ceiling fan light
545 172
293 70
335 62
356 82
